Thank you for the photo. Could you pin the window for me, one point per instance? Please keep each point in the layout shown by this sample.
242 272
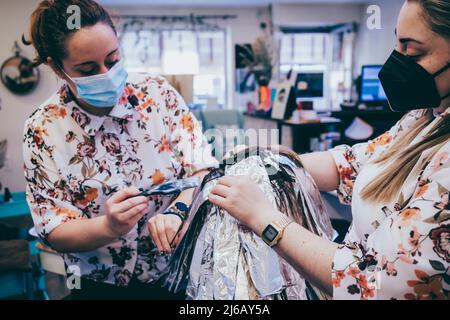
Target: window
341 68
181 52
329 53
303 48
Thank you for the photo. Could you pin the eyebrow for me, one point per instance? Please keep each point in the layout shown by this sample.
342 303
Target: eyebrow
406 40
92 62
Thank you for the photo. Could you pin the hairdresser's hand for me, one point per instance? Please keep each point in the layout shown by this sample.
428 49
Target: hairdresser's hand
123 212
244 200
163 230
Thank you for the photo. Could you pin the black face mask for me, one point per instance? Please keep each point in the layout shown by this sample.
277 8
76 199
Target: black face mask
408 86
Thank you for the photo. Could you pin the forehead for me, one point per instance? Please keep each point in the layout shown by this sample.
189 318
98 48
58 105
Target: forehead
91 43
411 23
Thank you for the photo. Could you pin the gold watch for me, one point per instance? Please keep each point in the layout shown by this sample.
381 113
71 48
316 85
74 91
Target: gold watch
273 233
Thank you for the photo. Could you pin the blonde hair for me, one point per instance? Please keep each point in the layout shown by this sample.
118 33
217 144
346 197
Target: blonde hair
436 14
403 156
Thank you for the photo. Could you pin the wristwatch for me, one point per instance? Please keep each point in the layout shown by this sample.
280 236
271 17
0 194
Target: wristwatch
273 233
179 209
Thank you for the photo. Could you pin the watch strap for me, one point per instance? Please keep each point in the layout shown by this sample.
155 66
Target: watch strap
179 209
283 222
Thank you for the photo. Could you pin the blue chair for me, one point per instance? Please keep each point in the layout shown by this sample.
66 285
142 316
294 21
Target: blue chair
213 118
16 277
225 124
17 283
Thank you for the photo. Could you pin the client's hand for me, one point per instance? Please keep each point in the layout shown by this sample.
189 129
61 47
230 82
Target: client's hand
243 199
163 230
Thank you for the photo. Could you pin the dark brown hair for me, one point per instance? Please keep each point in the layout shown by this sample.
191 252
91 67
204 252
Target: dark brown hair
49 31
288 201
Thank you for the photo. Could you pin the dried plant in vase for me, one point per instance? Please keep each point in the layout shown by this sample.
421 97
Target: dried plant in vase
260 57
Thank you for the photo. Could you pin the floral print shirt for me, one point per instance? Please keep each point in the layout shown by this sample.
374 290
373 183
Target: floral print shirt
395 251
75 161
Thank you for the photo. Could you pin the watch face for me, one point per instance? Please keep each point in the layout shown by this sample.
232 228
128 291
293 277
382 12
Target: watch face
270 233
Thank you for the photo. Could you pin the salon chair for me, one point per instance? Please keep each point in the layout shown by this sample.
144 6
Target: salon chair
16 277
223 129
21 275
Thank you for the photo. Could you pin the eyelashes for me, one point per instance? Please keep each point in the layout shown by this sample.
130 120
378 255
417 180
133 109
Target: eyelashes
93 70
87 73
113 63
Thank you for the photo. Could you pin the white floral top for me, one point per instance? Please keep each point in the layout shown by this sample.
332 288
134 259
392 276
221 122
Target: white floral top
394 252
75 161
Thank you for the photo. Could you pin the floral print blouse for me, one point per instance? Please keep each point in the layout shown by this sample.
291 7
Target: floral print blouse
393 251
75 161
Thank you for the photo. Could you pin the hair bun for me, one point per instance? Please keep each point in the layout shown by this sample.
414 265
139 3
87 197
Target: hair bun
48 26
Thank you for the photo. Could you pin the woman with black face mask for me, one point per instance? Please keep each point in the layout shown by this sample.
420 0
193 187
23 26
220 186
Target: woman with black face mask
397 184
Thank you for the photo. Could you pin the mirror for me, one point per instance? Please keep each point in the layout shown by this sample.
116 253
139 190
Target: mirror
18 74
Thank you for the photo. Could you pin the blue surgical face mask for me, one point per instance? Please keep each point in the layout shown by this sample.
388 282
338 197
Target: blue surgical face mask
102 90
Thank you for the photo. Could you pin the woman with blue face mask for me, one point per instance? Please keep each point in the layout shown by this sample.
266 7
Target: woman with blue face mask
90 148
397 184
